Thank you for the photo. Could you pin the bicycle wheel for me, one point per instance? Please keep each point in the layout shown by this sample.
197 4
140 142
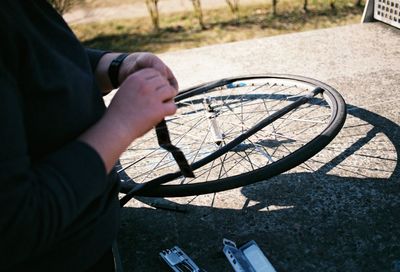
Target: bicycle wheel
235 132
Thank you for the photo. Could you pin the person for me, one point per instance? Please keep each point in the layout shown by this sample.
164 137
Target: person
59 143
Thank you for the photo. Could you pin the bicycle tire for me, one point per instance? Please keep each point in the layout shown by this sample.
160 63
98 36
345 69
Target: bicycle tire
330 101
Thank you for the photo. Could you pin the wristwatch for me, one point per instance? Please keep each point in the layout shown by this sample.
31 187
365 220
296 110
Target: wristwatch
113 69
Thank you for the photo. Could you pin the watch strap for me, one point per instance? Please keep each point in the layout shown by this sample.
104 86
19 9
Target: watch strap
113 69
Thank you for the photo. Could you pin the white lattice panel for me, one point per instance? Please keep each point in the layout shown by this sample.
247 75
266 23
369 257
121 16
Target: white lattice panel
388 11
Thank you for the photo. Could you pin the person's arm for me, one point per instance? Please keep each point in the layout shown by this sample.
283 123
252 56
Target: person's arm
142 101
100 61
144 98
39 202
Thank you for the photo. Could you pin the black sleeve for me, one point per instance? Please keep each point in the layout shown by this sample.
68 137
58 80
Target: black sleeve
94 56
39 202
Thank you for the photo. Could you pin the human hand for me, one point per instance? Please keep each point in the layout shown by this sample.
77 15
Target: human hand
137 61
144 98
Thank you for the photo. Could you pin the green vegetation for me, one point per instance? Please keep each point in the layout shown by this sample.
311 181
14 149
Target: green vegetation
182 30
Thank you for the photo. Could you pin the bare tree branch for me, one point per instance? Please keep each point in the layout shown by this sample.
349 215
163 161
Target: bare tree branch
198 12
152 7
234 7
274 4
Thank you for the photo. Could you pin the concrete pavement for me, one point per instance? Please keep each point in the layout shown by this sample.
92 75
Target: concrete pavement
344 215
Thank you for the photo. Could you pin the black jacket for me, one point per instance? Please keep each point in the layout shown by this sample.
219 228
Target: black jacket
59 210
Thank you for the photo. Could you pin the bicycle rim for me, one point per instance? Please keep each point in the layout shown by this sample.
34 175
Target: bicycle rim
208 125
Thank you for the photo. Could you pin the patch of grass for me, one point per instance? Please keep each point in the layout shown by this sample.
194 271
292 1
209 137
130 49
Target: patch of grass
181 30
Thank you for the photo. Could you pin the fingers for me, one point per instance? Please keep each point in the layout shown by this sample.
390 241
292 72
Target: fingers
166 92
170 107
164 88
143 100
171 78
150 83
148 60
166 72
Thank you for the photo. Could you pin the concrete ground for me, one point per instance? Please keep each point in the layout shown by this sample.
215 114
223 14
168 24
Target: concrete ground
343 215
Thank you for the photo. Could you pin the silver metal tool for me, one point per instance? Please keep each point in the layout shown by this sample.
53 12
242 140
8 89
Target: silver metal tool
247 258
178 261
